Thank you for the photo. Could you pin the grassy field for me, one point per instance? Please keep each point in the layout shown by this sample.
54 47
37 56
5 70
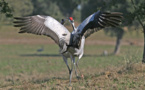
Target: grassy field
23 68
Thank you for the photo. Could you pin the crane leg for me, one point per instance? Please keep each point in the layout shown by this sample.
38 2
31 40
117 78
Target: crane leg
76 70
65 60
79 69
77 76
72 65
71 71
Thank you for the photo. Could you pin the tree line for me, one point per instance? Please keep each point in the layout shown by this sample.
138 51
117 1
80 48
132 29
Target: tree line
133 12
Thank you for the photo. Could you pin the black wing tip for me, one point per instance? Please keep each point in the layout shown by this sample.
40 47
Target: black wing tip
22 32
117 13
20 21
21 18
113 14
112 18
16 26
18 18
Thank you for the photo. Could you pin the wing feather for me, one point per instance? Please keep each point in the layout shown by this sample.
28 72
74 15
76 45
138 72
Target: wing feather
42 25
99 20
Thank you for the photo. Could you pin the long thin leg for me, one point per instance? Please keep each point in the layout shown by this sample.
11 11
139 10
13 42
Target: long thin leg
72 65
75 70
65 60
80 52
78 68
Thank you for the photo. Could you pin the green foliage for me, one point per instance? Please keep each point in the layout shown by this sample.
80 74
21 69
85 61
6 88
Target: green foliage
47 7
139 11
21 7
4 8
17 8
56 8
77 15
90 7
67 6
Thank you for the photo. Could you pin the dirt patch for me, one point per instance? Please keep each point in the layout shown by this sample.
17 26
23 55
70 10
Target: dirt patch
50 41
26 41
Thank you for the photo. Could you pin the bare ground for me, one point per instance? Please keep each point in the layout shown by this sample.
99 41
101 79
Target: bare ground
49 41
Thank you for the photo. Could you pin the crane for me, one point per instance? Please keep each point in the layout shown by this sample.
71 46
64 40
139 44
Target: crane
70 44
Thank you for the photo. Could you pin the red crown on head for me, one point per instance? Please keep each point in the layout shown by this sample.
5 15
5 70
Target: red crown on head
70 18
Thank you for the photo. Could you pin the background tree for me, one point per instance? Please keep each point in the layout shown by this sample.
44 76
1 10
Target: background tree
17 8
71 8
124 6
21 7
139 15
120 6
5 9
47 7
57 8
105 5
67 7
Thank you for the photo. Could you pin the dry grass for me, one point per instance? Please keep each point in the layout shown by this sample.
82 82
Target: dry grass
108 79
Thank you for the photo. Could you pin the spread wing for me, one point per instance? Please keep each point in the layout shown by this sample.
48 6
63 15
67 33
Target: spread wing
42 25
98 21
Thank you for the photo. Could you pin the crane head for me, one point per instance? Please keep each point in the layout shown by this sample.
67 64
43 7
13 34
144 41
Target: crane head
72 22
71 19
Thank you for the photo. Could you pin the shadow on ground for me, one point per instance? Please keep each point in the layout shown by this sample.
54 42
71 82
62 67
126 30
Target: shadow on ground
40 55
56 55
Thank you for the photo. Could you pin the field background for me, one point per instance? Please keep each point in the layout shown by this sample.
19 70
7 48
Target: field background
22 67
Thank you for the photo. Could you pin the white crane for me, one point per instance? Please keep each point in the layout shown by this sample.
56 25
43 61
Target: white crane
70 44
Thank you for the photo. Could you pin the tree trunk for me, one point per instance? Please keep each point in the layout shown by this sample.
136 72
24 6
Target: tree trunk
120 33
117 46
143 60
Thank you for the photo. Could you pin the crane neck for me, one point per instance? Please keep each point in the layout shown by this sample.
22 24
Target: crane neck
74 28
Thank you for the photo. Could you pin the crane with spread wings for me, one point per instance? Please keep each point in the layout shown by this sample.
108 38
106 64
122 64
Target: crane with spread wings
70 44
